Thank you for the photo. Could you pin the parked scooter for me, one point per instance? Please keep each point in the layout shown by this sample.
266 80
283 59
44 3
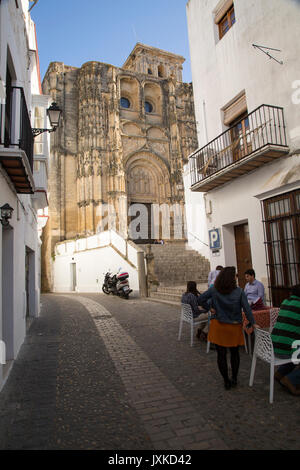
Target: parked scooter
117 284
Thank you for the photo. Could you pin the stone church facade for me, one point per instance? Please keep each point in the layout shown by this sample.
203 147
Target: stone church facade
124 138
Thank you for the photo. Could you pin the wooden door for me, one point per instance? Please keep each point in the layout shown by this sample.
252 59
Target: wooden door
240 137
243 251
73 277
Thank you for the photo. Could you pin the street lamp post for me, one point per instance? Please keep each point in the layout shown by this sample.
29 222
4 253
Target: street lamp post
54 114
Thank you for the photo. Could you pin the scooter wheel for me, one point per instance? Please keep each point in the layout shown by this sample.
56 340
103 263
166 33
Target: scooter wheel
105 290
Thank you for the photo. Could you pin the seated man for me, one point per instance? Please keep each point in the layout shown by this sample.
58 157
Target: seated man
286 341
254 291
191 297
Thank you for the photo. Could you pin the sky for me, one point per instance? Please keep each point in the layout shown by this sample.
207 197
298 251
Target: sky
76 31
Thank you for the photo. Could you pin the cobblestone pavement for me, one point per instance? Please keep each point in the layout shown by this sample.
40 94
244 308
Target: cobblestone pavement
99 372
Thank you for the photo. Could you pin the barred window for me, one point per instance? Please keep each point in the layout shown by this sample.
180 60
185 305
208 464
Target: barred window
282 233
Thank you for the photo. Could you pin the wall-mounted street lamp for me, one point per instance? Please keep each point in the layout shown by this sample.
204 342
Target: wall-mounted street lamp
6 214
53 113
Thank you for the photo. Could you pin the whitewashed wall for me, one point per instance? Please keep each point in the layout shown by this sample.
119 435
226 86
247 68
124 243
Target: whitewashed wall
222 69
93 256
16 33
196 225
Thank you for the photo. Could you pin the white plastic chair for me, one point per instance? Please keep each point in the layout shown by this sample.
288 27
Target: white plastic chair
187 317
263 349
273 317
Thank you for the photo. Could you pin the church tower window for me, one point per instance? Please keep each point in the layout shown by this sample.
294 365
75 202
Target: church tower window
125 103
148 107
161 72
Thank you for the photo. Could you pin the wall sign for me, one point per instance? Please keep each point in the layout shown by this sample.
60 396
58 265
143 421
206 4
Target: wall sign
215 239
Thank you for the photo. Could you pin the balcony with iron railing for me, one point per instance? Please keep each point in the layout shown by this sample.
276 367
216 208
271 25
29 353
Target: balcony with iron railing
16 140
260 137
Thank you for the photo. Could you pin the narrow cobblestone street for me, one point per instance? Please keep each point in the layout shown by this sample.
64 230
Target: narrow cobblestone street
99 372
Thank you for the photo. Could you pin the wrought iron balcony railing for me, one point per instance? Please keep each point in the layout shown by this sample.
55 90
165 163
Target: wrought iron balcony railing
16 140
17 131
256 139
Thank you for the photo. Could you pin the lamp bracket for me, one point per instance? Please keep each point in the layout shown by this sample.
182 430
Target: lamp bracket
37 131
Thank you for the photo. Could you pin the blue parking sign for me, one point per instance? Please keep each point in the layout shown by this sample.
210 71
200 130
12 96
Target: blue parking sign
215 239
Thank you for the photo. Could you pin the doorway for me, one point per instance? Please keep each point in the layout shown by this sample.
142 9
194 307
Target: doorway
240 137
243 251
73 277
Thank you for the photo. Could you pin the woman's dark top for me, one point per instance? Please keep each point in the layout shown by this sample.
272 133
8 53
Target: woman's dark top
228 306
192 300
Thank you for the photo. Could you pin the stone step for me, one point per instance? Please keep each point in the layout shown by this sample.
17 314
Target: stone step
202 287
165 296
176 263
173 294
184 275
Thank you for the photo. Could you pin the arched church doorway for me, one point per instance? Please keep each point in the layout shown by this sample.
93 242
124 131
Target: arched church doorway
147 187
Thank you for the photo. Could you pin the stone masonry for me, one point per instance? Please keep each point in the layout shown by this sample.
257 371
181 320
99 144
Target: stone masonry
124 138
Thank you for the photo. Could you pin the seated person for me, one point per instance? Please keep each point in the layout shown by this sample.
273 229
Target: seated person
213 275
285 335
254 291
191 297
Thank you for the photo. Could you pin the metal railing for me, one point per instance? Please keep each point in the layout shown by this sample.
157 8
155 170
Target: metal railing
263 126
16 131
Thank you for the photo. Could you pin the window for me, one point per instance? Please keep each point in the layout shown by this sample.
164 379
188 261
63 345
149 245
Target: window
148 107
236 117
36 166
226 22
161 71
240 137
39 115
282 233
149 72
125 103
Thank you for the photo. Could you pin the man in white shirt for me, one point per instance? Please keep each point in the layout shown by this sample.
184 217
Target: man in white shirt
213 275
254 290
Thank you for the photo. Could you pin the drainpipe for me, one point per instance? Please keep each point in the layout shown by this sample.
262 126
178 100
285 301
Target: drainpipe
204 120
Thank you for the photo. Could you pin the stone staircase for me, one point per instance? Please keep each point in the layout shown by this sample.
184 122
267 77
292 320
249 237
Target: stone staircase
175 264
172 295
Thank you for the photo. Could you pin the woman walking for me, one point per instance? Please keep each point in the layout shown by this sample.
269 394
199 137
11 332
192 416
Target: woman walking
225 330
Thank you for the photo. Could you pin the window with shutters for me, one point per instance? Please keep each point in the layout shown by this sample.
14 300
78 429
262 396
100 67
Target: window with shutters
225 17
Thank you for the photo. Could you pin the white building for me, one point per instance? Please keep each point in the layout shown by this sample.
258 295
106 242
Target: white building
23 176
246 172
80 265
